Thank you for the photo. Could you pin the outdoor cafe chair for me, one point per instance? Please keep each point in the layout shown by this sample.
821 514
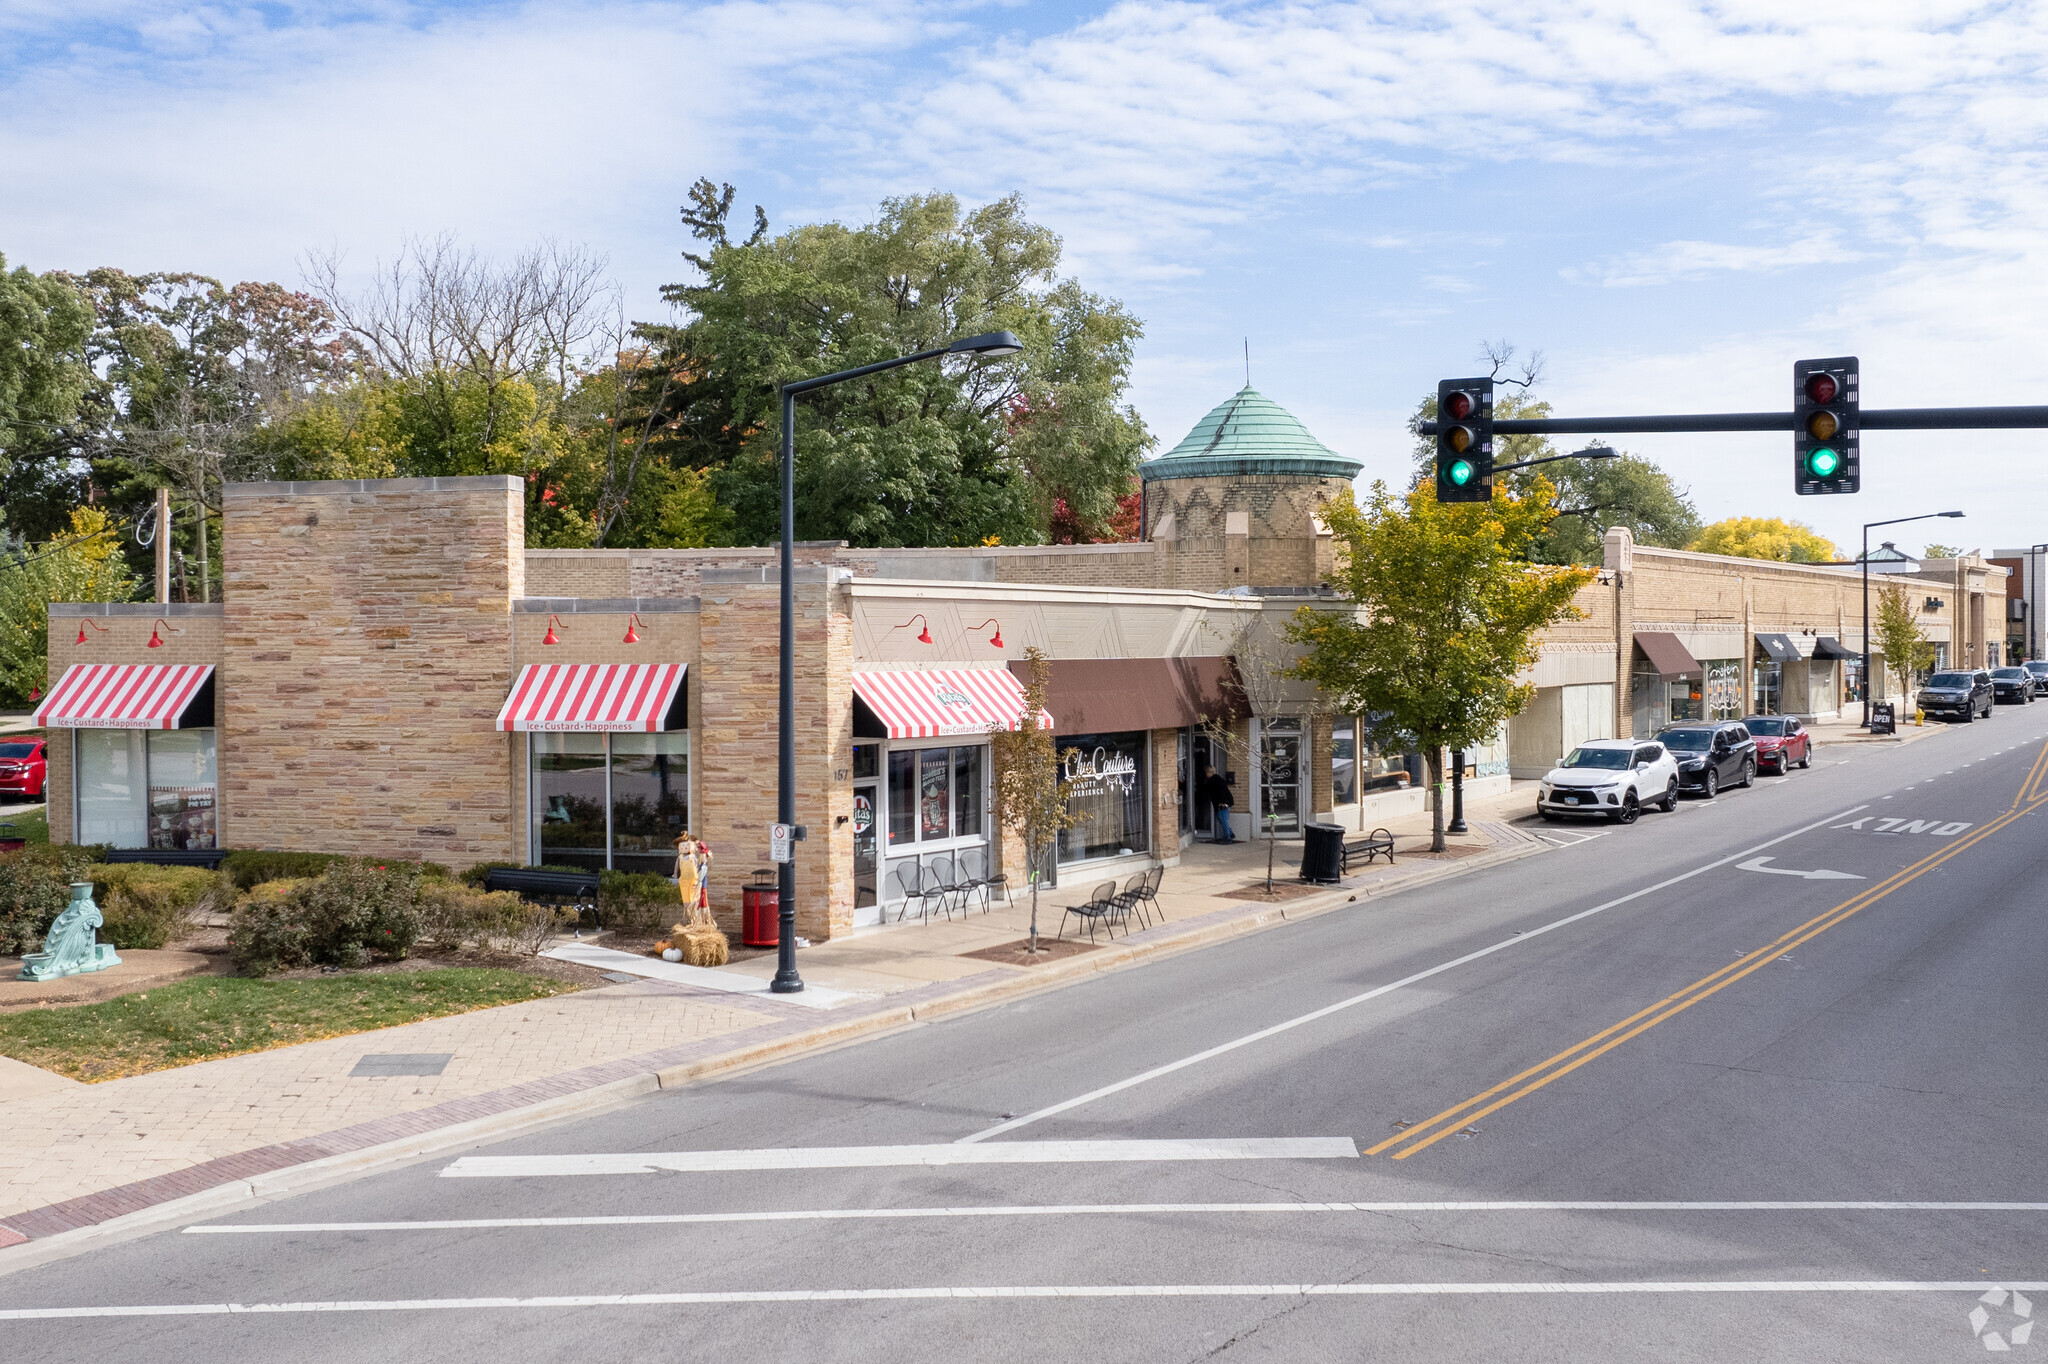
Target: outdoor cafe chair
1101 904
1130 899
1148 895
970 885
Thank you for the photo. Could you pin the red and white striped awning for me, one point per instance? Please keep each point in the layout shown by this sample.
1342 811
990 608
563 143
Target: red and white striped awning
929 704
620 697
123 695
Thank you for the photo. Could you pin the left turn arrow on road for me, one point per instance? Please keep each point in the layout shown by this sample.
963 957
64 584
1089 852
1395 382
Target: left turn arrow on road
1818 874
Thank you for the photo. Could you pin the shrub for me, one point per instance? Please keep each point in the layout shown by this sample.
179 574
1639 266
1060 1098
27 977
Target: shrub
269 932
35 885
147 906
252 867
454 915
358 907
637 904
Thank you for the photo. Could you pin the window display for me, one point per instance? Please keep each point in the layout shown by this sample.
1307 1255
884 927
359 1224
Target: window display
147 788
1108 791
1344 762
616 801
650 800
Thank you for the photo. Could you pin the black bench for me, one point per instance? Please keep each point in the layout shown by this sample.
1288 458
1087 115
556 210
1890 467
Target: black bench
1364 850
574 888
209 858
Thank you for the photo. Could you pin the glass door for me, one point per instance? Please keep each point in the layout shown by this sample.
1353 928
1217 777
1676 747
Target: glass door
864 799
1280 777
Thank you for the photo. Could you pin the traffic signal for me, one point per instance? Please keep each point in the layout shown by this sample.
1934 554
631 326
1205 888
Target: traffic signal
1825 403
1464 440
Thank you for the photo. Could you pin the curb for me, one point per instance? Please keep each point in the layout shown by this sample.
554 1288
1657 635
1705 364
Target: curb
239 1194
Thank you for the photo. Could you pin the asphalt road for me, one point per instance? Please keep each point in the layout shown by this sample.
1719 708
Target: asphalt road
1578 1107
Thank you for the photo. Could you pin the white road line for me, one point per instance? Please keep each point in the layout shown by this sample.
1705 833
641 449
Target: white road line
973 1293
656 1219
868 1157
1315 1014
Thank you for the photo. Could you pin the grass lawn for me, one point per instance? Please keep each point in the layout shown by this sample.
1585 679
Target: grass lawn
34 825
199 1020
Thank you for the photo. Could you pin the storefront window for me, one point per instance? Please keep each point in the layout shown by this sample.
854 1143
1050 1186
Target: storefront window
933 796
1724 689
966 792
1280 773
650 800
1108 791
1344 762
902 797
147 788
936 793
1770 688
183 788
568 800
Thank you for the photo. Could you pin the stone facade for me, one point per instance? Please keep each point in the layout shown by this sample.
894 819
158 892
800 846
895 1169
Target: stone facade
364 650
1265 530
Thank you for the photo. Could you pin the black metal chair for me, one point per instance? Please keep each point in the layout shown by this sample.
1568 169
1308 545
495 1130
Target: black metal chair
1100 905
1129 900
966 864
1145 897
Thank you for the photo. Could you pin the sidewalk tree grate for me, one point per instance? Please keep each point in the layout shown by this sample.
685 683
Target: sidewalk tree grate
404 1063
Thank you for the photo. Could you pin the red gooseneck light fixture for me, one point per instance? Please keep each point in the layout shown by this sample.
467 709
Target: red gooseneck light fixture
85 621
551 637
997 638
156 640
924 634
632 634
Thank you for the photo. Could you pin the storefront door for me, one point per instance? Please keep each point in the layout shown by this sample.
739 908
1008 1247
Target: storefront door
1203 754
865 795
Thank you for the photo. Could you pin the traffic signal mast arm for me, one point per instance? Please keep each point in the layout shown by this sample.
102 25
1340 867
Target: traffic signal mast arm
1873 419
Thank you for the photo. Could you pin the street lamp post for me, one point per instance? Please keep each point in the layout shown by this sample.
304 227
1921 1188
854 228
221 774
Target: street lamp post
2031 591
989 344
1897 520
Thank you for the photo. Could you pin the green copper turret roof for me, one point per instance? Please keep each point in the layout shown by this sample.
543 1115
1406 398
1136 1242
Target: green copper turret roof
1249 433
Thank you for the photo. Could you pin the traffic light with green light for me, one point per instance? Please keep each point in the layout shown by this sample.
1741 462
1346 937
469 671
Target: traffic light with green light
1464 440
1825 402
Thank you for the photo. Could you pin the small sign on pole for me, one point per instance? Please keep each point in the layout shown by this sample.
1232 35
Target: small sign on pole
781 837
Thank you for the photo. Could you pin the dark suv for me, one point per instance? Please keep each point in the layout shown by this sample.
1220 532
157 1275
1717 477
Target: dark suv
2039 669
1965 694
1711 756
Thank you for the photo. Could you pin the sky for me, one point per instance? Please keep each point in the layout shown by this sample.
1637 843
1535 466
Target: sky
1670 202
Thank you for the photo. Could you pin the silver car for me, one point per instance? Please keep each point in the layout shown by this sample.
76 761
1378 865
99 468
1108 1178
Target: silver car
1612 778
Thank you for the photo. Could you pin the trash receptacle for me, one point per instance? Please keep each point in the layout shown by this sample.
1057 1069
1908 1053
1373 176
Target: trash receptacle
1322 853
761 910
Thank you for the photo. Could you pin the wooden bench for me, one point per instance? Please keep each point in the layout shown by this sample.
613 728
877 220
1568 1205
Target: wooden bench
574 888
209 858
1364 850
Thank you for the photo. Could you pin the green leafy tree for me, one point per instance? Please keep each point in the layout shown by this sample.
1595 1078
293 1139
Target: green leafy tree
944 453
44 371
1444 614
1030 792
1592 494
1941 552
1766 537
83 564
1897 634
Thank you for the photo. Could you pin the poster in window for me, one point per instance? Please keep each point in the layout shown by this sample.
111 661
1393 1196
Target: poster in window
934 791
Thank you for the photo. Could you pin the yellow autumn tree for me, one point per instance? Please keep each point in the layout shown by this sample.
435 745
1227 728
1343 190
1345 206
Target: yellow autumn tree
83 564
1766 537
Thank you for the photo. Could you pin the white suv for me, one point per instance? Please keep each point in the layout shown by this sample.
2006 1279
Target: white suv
1611 777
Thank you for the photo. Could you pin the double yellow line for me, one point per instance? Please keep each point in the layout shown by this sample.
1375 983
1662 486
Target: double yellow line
2033 793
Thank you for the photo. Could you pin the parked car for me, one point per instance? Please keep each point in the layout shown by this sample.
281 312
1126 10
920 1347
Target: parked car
23 768
1965 695
1711 756
2038 669
1781 741
2012 684
1612 778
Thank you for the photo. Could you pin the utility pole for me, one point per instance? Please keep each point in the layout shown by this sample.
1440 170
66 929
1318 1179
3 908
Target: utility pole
163 546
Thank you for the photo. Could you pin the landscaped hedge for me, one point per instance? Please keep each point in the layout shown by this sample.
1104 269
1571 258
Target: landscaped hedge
251 867
638 904
35 885
147 906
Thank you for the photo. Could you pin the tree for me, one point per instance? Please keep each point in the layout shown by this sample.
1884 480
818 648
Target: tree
1592 494
44 372
1941 552
934 454
1444 611
84 564
1766 537
1030 792
1896 633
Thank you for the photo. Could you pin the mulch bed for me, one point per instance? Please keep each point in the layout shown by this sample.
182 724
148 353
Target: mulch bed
1049 950
1283 889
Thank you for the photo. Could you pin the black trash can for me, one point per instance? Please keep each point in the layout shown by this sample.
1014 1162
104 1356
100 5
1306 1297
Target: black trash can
1322 853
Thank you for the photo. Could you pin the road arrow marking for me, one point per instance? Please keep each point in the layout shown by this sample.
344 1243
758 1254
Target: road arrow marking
1821 874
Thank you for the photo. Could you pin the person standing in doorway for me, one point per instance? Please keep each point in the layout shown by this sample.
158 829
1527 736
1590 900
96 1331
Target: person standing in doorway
1216 791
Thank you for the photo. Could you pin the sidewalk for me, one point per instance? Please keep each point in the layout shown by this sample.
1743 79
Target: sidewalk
85 1162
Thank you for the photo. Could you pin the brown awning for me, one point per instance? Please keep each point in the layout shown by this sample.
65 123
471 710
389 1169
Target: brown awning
1670 657
1113 695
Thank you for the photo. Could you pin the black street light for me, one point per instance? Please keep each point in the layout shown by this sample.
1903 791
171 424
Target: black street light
989 344
1897 520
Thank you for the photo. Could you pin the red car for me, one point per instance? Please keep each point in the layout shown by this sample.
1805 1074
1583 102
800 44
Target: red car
1781 741
22 768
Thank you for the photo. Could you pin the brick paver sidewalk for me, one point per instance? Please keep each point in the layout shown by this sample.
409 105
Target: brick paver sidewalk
77 1156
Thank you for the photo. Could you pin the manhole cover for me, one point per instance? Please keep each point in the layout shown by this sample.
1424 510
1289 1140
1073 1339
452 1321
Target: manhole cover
404 1063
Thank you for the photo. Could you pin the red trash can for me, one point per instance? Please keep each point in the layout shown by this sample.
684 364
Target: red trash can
761 910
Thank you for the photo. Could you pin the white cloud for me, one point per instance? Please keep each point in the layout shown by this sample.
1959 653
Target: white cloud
1695 260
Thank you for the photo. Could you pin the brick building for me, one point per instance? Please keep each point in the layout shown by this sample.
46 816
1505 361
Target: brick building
391 671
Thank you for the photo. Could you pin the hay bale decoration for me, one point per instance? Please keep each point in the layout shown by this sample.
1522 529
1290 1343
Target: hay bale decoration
700 940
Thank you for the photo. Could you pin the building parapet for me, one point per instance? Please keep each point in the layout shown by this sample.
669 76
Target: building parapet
172 610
